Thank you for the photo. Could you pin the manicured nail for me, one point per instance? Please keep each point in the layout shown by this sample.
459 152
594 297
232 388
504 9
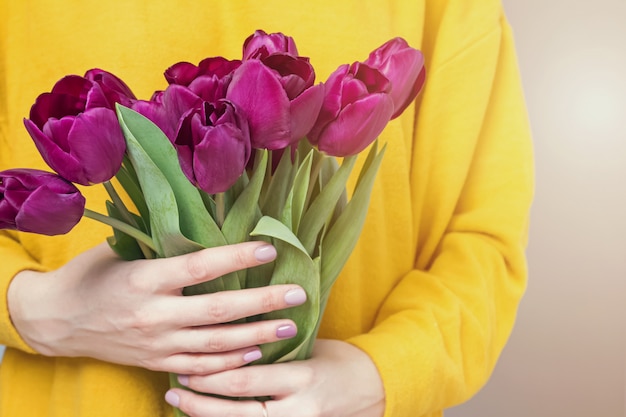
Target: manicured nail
287 331
295 297
265 253
172 398
183 380
252 356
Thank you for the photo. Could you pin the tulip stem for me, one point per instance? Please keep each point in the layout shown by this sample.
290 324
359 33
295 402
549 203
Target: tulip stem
125 213
131 231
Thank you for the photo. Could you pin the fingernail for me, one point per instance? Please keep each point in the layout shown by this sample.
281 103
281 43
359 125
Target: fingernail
265 253
183 380
252 356
287 331
295 297
172 398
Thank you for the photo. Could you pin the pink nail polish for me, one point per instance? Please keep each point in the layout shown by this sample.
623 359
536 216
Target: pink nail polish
287 331
172 398
183 380
265 253
295 297
252 356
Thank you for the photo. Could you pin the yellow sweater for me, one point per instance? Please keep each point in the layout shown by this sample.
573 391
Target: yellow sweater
432 289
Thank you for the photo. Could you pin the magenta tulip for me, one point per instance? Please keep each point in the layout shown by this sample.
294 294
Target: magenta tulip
183 73
278 98
213 145
38 202
260 45
166 108
76 130
404 67
115 90
357 107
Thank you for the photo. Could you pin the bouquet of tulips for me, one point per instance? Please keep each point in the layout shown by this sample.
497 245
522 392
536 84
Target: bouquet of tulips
231 150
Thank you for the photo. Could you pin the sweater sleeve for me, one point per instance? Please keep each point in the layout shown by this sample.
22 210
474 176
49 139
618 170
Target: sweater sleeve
14 259
438 335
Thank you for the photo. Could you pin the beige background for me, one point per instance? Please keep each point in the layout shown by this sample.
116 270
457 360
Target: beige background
567 355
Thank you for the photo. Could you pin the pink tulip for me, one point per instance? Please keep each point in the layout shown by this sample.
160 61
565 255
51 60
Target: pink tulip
357 107
278 98
404 67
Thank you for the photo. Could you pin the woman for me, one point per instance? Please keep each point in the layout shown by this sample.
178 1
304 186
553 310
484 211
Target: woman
419 315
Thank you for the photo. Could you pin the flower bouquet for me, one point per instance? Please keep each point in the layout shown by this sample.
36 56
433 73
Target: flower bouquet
231 150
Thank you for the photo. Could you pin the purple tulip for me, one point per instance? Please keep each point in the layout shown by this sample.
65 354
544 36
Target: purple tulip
166 108
183 73
213 145
38 202
115 90
260 45
278 98
404 67
357 107
76 130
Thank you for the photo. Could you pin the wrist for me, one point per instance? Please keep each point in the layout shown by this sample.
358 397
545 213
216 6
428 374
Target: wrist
29 304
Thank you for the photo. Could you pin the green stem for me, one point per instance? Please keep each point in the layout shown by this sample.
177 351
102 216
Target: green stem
220 209
122 227
117 202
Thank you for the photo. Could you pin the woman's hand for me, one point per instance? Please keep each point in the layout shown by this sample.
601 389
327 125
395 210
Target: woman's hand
134 313
339 380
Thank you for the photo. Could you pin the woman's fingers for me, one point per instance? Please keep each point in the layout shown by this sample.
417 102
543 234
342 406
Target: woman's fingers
228 306
173 274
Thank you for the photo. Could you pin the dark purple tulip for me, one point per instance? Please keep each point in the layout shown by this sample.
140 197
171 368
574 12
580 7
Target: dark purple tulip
404 67
166 108
183 73
260 45
213 145
115 90
278 97
38 202
76 130
357 107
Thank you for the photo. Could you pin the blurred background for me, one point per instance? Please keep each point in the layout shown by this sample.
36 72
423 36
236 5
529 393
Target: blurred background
567 354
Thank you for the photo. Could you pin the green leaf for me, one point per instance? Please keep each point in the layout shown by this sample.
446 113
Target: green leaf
342 237
296 199
127 178
122 244
195 222
324 204
293 265
275 197
245 212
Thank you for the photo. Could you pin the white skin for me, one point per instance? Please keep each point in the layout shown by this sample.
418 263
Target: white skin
134 313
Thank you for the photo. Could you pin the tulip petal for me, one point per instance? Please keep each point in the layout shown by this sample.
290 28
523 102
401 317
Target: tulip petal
304 111
97 141
220 158
350 133
256 90
48 213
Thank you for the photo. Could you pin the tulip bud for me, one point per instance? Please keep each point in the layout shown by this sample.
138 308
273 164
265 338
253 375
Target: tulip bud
357 107
404 67
213 145
183 73
76 130
38 202
260 45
